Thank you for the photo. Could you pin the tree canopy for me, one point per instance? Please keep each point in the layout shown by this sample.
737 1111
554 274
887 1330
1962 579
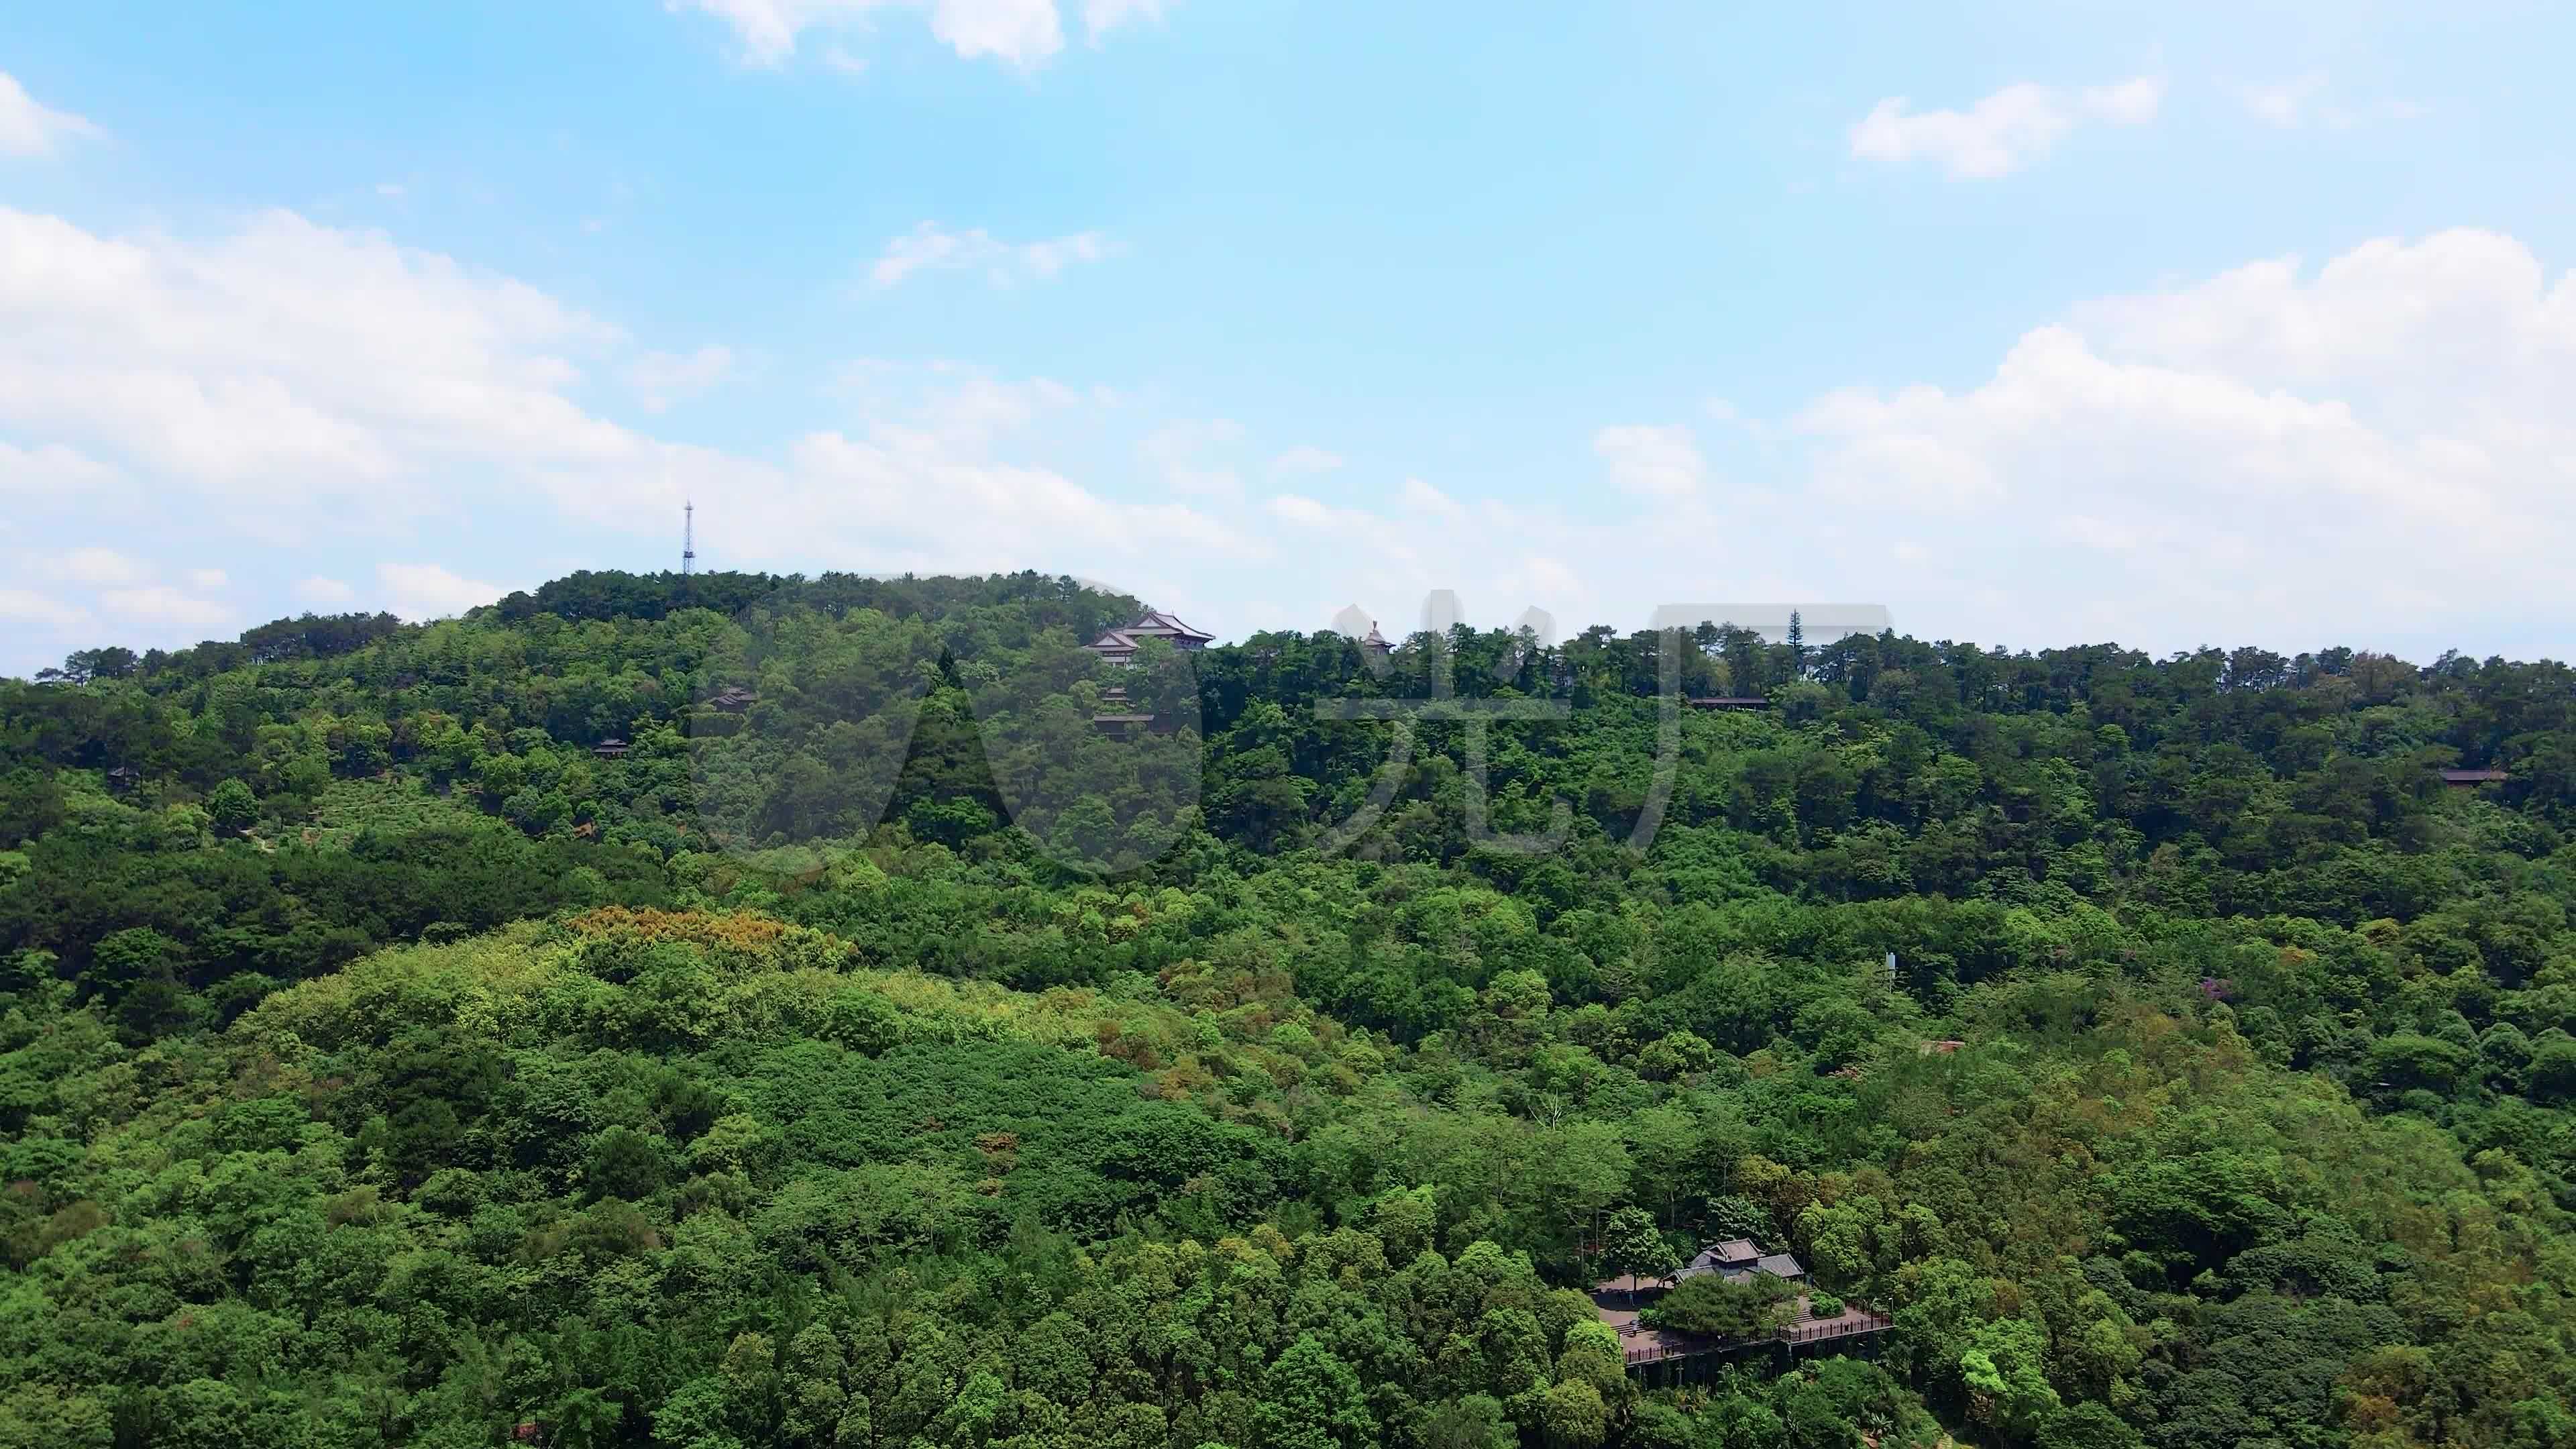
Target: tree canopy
891 1056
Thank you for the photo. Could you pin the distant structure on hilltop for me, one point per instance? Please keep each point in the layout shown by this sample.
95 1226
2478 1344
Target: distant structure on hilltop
1373 645
1118 646
1818 624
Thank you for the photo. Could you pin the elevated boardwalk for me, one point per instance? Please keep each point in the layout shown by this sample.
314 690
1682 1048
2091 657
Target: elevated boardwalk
1660 1353
1643 1345
1663 1353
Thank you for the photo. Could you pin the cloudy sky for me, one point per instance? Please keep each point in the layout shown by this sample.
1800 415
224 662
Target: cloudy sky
2038 323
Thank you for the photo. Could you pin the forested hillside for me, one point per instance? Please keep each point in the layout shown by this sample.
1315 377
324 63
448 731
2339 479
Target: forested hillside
894 1057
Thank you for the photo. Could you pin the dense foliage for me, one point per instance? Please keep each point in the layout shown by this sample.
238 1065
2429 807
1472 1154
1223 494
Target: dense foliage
900 1060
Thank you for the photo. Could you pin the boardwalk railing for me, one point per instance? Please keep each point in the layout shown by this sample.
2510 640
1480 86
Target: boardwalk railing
1660 1348
1844 1327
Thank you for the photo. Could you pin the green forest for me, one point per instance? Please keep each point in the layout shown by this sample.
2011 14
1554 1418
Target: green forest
484 1033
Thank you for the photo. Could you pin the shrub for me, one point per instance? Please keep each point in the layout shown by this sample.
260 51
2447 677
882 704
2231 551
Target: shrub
1710 1305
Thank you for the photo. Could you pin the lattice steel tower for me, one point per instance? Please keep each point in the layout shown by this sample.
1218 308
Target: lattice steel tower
688 539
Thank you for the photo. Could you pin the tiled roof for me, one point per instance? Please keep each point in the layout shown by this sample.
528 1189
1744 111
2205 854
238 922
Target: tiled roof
1157 621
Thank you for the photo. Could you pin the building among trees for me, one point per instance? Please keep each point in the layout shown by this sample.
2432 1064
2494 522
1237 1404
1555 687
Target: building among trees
1118 646
1765 1301
1736 1260
1117 716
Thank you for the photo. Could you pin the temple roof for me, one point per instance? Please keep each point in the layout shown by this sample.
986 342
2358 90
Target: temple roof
1158 622
1155 625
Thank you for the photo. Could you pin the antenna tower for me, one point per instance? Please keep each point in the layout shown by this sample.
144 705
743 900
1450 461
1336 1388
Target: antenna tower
688 539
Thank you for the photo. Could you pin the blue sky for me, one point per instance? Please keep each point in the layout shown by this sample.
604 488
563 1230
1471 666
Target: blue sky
2039 323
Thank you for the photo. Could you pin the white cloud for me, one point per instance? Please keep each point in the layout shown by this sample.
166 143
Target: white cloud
2443 329
310 381
1298 509
2004 132
1417 496
1022 33
319 590
2286 103
974 411
961 407
1099 17
2307 100
1190 456
2376 446
2132 102
1306 458
102 567
2373 452
1897 467
660 377
51 470
980 512
1498 558
30 128
304 382
160 604
25 606
290 371
1652 462
428 591
127 589
2280 453
931 247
